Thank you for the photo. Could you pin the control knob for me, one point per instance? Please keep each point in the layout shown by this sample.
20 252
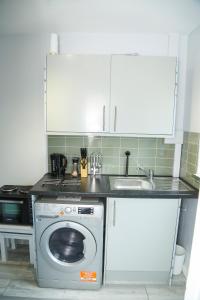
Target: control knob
68 210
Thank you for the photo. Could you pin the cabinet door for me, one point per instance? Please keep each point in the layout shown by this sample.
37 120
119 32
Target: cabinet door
78 91
140 235
143 95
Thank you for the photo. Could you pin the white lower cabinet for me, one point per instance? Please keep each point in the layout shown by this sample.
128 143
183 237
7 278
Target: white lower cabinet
140 239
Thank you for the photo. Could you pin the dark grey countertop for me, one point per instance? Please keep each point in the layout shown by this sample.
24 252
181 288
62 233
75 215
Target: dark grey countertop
99 186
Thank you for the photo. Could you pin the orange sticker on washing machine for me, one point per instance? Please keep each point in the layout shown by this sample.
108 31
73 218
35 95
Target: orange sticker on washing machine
88 276
61 213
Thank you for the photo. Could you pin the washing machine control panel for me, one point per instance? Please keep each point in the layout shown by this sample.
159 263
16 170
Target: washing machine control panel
42 208
80 210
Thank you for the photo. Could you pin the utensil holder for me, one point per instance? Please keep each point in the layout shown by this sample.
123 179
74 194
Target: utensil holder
84 168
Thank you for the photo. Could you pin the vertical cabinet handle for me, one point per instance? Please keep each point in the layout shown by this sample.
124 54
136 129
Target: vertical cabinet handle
115 119
114 213
104 115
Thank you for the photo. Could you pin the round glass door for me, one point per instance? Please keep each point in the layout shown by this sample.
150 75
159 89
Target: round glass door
66 244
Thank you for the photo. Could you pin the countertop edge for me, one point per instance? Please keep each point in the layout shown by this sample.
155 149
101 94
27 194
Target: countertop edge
103 191
122 194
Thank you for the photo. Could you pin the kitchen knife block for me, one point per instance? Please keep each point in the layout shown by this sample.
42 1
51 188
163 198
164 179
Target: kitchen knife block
84 167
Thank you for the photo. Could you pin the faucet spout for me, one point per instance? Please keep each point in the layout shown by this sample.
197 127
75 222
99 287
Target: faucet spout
149 174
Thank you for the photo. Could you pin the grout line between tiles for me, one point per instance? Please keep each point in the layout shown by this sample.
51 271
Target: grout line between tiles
156 155
56 146
65 145
138 146
186 163
119 159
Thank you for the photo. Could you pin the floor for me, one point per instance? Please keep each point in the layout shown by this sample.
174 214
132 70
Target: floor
17 282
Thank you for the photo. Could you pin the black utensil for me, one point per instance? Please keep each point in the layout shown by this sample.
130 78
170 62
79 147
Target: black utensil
83 153
127 153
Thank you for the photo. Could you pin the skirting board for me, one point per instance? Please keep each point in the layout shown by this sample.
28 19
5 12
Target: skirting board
128 277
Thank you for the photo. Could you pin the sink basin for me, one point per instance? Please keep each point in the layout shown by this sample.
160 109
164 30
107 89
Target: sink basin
129 183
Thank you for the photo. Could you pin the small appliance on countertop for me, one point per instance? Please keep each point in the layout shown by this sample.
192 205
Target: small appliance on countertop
75 172
15 205
58 164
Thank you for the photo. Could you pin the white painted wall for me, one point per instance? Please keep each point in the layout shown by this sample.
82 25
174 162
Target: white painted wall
89 43
192 108
22 16
22 136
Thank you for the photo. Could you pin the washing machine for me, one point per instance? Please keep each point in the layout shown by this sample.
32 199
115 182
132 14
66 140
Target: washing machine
69 243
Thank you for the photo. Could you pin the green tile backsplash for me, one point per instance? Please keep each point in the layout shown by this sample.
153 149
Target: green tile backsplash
145 152
189 157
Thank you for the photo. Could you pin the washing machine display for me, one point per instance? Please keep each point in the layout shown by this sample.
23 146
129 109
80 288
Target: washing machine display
69 243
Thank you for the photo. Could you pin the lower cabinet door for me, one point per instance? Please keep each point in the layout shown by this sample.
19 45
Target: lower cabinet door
140 238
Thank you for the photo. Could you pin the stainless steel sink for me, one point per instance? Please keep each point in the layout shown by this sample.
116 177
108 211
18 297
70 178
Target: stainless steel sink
129 183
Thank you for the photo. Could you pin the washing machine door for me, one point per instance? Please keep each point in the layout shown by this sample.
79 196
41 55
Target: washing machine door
68 245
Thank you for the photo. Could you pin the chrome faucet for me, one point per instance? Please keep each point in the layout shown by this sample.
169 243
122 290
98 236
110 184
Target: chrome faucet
148 173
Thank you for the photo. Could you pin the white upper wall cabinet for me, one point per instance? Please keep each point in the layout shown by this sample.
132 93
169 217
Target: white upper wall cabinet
78 92
118 94
143 95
